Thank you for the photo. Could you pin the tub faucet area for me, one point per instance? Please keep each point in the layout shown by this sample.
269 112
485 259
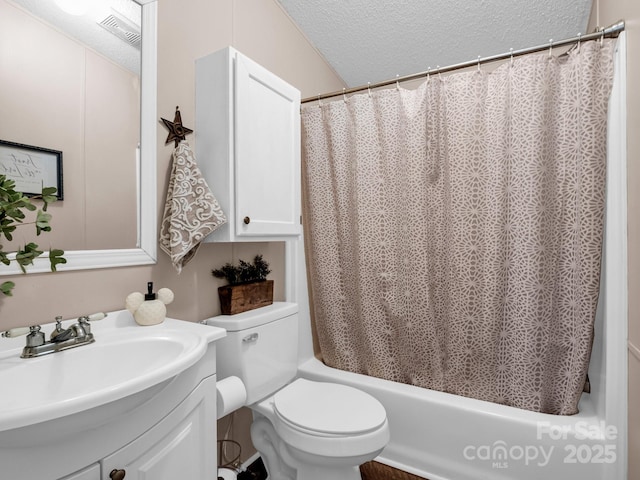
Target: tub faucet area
60 339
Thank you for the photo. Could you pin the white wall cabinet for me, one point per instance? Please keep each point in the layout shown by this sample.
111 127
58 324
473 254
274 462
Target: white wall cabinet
248 147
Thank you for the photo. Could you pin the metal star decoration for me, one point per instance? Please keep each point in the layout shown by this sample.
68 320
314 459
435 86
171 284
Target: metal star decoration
177 131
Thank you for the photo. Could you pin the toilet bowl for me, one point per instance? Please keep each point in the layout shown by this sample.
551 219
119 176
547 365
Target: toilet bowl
322 426
304 430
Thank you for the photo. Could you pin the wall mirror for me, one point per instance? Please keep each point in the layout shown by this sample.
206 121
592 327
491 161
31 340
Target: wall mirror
94 100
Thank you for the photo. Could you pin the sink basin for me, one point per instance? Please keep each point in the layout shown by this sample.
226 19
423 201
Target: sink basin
124 360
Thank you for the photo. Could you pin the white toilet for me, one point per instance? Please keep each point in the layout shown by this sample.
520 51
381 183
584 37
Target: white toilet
304 430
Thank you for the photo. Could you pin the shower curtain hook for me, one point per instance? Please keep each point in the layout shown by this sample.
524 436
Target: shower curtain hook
438 70
369 88
319 102
479 64
428 71
511 54
397 82
601 37
550 48
344 97
579 40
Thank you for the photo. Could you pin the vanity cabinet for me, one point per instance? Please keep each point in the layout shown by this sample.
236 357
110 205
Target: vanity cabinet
248 147
152 418
89 473
176 448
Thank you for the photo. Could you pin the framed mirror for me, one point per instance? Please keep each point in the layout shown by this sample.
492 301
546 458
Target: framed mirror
126 236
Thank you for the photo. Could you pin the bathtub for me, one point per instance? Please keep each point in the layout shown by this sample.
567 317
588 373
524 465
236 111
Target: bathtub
447 437
441 436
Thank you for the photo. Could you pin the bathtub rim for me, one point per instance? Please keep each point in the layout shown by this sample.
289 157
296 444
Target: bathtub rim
585 420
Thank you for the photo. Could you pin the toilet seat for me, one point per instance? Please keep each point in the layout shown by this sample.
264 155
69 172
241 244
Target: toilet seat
328 409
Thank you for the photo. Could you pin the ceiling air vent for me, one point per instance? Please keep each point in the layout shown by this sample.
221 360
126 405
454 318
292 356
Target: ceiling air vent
122 28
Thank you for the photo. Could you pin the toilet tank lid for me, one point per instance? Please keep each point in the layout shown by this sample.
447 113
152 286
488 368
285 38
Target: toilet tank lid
253 318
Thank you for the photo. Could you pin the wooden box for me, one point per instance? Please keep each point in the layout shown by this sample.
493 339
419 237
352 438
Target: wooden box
246 296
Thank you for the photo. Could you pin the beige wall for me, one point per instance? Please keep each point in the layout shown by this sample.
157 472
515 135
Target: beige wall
604 13
186 31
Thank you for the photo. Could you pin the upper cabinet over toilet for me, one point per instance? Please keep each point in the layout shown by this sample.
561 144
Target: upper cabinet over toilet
248 147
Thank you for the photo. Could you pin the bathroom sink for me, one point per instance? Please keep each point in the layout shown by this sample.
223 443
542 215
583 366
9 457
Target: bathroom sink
124 360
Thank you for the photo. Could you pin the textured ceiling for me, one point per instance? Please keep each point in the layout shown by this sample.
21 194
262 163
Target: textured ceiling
375 40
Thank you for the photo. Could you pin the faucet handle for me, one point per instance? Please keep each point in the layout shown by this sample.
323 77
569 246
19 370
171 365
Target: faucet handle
94 317
16 332
83 328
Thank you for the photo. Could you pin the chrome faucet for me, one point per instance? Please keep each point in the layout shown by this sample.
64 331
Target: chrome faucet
60 339
79 331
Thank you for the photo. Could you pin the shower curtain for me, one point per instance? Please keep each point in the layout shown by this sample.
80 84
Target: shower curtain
454 231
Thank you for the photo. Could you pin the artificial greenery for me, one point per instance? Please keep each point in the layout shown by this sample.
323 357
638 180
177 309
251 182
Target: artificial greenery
13 205
245 272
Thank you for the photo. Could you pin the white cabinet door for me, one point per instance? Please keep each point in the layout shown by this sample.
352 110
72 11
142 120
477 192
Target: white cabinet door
180 447
267 145
90 473
248 147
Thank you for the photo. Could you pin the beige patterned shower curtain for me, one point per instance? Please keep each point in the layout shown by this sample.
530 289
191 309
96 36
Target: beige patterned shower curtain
454 231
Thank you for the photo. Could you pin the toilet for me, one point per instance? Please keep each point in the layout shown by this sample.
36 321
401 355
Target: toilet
304 430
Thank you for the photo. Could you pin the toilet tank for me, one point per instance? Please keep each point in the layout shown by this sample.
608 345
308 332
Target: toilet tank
261 348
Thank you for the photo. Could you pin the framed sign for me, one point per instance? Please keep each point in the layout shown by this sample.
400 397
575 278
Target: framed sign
32 168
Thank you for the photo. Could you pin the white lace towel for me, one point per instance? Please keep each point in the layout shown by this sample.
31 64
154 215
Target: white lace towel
191 212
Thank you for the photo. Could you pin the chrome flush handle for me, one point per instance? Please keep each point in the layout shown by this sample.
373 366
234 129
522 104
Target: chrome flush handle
250 338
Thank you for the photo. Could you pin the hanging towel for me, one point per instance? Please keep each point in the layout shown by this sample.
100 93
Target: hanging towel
191 212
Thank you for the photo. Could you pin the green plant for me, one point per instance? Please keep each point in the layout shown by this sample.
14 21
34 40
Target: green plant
13 206
245 272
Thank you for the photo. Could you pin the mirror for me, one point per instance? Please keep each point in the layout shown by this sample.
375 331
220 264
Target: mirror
139 248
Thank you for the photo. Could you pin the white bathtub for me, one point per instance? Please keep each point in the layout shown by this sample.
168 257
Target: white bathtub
447 437
442 436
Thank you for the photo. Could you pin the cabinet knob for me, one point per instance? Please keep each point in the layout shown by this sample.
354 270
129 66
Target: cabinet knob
246 220
117 474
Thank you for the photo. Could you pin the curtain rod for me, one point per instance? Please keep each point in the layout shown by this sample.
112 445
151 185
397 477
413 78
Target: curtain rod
611 31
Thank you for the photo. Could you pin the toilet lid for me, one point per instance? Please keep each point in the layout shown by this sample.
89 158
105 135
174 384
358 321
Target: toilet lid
329 408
